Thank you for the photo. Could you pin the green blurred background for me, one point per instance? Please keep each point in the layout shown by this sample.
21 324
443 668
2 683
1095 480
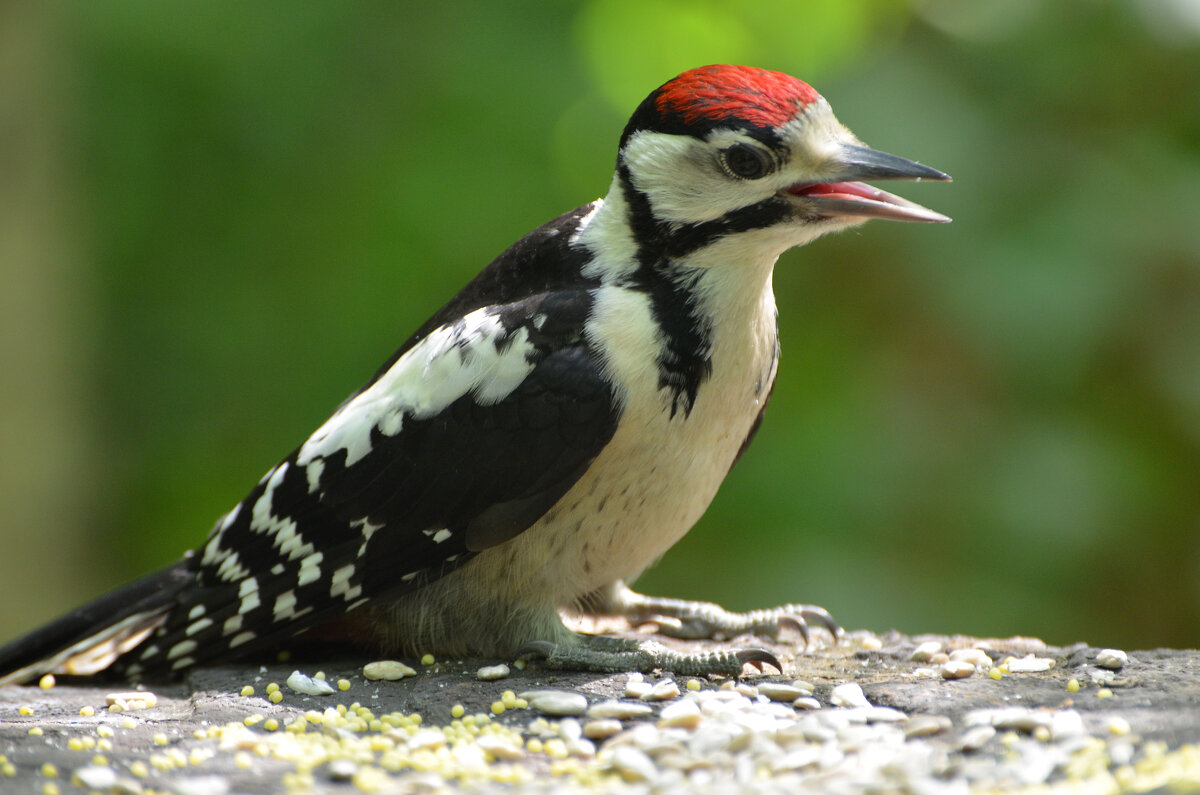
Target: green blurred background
217 219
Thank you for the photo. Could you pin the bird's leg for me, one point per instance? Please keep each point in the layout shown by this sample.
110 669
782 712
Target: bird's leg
689 620
605 654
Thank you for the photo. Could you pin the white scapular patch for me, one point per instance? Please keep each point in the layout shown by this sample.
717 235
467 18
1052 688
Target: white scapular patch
183 662
313 473
310 569
198 626
196 612
181 648
238 640
232 624
453 360
441 535
248 592
231 569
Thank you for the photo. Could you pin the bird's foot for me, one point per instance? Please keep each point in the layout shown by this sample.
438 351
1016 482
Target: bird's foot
604 654
688 620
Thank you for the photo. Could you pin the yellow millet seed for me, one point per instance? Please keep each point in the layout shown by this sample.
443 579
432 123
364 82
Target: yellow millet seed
273 687
139 769
427 659
248 690
49 770
457 711
534 745
275 697
36 731
243 760
271 724
160 739
25 710
497 707
46 682
104 744
996 674
1072 685
50 788
100 759
1104 692
105 731
343 685
87 712
8 769
251 720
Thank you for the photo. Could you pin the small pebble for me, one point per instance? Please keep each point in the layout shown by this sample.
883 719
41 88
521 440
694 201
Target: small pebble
637 688
956 669
389 670
1029 664
925 725
925 651
663 691
848 695
491 672
619 710
633 764
684 714
778 691
308 685
977 657
556 702
1112 659
976 737
602 729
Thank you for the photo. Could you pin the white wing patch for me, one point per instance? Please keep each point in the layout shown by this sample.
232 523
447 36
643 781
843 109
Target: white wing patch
453 360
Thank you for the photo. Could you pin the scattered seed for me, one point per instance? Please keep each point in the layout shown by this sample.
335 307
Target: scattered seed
556 702
976 737
1118 725
388 670
925 725
806 702
618 710
663 691
778 691
602 729
977 657
1112 659
1030 664
684 714
46 682
309 685
956 669
491 672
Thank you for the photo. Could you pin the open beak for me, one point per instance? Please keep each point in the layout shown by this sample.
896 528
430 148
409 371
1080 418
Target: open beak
844 196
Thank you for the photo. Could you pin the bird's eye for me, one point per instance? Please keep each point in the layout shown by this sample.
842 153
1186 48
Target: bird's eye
746 161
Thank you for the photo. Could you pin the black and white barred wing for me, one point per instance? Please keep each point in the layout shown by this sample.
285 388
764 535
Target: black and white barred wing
463 442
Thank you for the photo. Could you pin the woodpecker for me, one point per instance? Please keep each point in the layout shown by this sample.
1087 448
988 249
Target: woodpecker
546 435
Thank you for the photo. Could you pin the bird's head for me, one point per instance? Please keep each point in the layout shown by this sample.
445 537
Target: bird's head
731 149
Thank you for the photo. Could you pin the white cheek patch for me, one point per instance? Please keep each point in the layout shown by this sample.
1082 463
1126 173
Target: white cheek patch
473 355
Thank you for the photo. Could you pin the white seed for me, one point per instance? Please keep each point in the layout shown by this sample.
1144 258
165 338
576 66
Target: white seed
956 669
1112 659
132 699
1066 723
925 651
848 695
602 729
663 691
749 691
500 747
778 691
883 715
341 769
556 702
426 738
619 710
806 686
307 685
389 670
97 777
939 658
1030 664
685 714
490 672
977 657
806 702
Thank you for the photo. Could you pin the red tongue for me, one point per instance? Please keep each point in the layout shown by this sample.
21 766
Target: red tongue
839 190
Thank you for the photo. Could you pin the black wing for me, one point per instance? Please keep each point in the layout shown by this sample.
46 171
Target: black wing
480 423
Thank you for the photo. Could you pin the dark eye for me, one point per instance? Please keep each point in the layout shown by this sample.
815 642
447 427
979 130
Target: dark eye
746 161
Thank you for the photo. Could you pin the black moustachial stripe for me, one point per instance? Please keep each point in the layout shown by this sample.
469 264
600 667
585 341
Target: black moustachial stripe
686 361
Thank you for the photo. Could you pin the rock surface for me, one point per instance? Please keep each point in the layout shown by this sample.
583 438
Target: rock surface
1132 729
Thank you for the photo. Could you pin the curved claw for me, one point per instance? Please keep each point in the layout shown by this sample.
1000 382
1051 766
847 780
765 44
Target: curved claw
798 624
821 616
535 648
757 657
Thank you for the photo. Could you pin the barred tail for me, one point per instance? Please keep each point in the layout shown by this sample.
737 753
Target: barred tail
91 638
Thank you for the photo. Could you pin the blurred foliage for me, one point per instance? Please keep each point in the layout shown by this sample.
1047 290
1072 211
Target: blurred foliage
991 427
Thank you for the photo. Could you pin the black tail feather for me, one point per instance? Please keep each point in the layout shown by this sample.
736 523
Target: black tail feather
141 604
